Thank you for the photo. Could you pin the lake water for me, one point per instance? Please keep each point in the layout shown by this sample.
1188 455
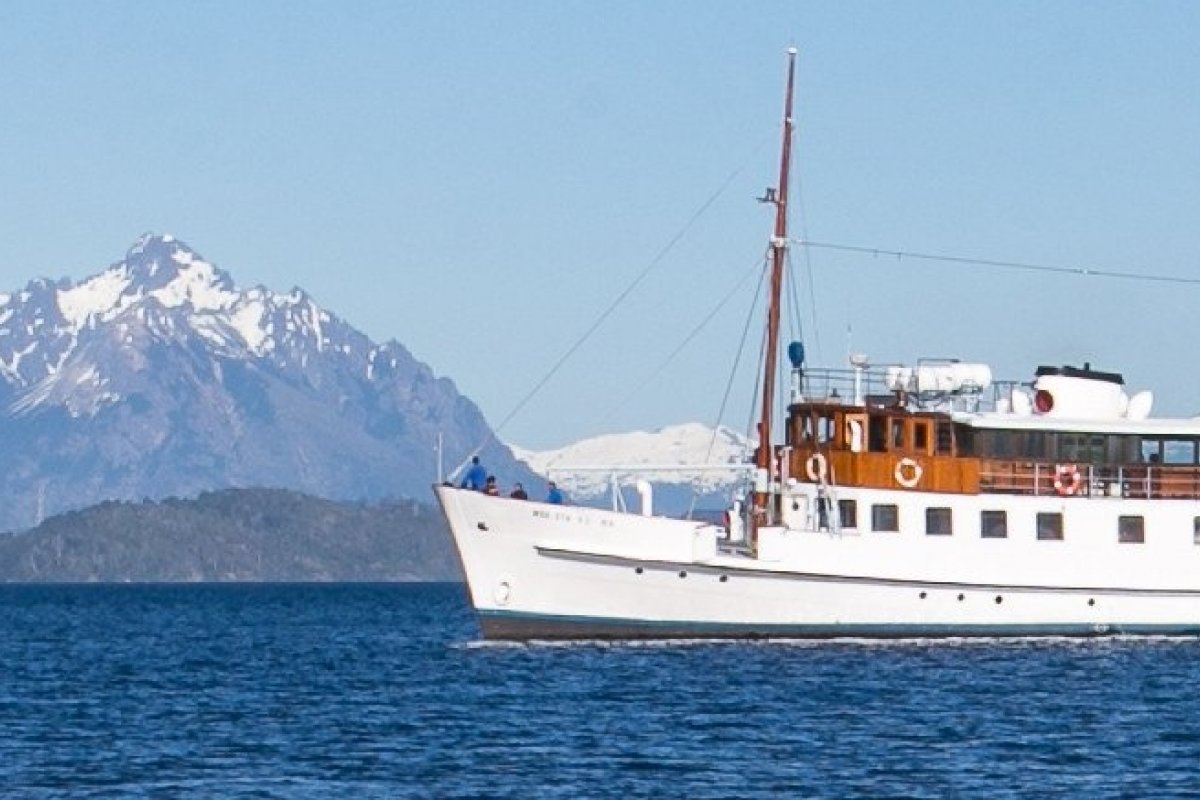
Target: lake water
383 691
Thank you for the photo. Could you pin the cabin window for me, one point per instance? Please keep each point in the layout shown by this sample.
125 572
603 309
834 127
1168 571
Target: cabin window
1042 444
877 435
1082 448
855 430
945 439
885 518
1050 526
921 436
1179 451
993 524
1122 449
938 522
897 434
1131 530
1151 451
994 444
1196 530
825 429
804 429
848 509
964 438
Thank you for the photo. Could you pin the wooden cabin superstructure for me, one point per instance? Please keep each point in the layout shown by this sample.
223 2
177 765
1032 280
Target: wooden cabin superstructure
953 441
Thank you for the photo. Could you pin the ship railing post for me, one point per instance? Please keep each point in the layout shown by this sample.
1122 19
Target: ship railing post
1037 479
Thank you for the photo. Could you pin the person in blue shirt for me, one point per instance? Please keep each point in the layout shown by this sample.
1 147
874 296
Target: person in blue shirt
476 477
554 495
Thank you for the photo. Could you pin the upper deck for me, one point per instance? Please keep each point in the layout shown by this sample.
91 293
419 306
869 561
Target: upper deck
947 427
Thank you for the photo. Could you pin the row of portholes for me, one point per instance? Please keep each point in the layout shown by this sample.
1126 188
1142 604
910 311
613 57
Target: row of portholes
999 598
682 574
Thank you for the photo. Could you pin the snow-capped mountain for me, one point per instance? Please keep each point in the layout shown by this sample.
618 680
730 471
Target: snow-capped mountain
159 376
574 467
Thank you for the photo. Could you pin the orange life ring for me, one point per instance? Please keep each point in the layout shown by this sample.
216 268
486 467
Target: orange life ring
1067 480
817 468
908 473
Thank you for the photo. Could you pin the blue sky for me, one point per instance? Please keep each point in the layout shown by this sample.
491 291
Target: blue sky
479 180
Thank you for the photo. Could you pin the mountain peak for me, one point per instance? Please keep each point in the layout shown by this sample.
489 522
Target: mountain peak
161 268
155 261
156 376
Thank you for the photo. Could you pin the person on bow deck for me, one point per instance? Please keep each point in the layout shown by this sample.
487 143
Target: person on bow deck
554 495
519 493
476 476
490 488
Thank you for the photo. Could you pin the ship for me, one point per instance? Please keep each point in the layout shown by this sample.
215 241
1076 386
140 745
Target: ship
922 500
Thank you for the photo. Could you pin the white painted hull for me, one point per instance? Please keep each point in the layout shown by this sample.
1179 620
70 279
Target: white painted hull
541 571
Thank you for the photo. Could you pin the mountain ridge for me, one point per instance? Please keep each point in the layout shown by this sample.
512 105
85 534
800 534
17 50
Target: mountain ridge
158 376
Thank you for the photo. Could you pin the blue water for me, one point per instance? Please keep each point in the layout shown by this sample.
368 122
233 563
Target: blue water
384 691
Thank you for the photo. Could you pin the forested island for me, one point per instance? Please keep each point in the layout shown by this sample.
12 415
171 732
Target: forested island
234 535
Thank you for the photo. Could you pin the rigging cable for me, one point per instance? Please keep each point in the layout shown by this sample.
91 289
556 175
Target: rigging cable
1088 272
810 284
604 315
662 365
737 359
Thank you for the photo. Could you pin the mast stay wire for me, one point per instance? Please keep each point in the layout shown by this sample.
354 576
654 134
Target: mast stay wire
670 357
1088 272
620 298
810 285
737 360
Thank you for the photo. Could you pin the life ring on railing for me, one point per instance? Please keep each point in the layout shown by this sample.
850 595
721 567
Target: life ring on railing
908 473
1067 480
817 468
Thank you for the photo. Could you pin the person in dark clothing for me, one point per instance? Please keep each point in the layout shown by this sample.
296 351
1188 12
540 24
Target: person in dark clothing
554 495
490 487
476 476
519 493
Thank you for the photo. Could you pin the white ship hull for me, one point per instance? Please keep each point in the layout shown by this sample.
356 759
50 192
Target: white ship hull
541 571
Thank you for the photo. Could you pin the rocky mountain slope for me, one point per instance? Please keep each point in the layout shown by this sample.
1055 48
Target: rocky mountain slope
160 377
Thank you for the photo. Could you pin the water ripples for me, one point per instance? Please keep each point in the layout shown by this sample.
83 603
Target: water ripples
384 691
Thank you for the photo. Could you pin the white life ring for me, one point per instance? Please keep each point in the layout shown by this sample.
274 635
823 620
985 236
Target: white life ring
908 473
1067 480
817 468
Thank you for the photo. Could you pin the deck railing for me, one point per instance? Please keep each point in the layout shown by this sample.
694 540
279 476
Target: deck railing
1134 481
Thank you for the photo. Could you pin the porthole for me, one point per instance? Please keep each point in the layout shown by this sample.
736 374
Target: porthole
682 574
724 578
923 595
639 570
962 597
1091 601
999 599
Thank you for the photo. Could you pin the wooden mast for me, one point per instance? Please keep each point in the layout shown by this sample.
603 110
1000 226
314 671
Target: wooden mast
764 455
